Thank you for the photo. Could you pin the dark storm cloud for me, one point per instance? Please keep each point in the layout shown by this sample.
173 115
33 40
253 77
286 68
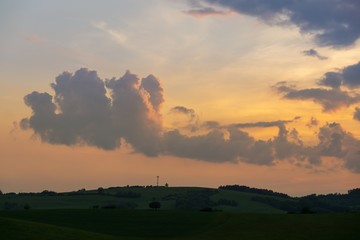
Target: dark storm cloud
314 53
332 22
329 99
86 110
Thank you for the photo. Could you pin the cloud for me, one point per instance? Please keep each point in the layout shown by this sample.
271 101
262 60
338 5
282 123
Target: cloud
35 38
313 122
115 34
329 99
81 113
332 22
86 110
314 53
349 77
152 85
135 111
336 142
357 114
206 11
186 111
343 85
331 79
278 123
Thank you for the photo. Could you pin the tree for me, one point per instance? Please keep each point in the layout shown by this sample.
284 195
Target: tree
155 205
100 190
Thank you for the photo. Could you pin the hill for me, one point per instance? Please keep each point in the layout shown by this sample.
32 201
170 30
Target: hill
137 197
233 198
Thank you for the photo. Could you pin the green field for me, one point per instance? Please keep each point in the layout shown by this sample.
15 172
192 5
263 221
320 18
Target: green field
124 213
167 224
167 197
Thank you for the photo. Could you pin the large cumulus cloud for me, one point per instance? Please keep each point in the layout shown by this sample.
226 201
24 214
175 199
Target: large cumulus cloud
332 22
82 113
86 110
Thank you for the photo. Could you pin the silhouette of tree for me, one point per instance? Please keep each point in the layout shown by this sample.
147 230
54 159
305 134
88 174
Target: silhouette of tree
100 190
307 210
155 205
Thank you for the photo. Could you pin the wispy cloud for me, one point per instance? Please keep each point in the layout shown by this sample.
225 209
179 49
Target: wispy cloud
329 99
184 110
35 38
314 53
206 11
118 36
343 91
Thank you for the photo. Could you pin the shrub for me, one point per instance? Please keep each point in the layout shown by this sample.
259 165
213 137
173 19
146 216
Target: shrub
155 205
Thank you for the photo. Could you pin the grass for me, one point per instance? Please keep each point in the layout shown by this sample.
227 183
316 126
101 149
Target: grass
14 229
58 202
245 204
147 224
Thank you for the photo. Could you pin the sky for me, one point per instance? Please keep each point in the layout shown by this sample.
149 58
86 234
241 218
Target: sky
199 92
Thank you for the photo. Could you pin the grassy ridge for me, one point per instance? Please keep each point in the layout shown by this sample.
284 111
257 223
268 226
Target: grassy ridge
167 196
145 224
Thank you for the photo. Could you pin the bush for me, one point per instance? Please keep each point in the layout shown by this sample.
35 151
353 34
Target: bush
207 209
27 207
155 205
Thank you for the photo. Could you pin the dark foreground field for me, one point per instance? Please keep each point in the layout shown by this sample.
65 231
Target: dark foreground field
167 224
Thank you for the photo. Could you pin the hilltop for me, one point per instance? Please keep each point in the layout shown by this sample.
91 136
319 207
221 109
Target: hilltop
233 198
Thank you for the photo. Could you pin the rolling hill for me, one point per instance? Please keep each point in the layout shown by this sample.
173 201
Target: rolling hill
234 198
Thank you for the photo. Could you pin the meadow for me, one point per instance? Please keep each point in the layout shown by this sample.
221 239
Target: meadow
182 198
235 212
169 224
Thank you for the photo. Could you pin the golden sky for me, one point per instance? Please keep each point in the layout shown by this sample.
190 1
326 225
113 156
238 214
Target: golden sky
201 93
